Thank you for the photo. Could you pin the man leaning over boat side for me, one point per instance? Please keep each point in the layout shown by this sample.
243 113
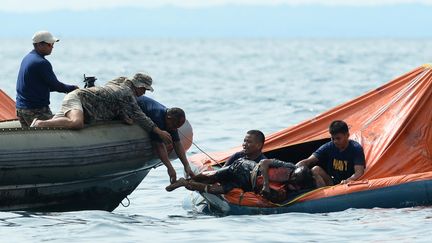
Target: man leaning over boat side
252 177
253 143
167 119
339 161
109 102
36 79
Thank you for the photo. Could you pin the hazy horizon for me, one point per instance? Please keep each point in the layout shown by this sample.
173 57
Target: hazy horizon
401 19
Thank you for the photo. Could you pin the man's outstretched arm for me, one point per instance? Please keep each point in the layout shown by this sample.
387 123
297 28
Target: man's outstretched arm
134 111
359 166
263 166
163 156
358 171
309 162
181 154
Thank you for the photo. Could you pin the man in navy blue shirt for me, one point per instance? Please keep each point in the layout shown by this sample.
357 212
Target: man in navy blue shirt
339 161
36 79
168 120
253 143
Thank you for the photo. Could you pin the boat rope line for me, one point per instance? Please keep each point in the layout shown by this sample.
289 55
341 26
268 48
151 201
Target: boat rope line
196 145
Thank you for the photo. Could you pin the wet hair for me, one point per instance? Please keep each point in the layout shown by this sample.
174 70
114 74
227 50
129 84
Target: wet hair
258 134
338 126
304 178
176 113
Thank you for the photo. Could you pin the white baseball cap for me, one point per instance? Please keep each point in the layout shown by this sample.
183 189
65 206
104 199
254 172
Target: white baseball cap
44 36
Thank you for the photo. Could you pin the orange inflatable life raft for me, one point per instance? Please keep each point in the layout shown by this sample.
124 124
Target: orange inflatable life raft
393 123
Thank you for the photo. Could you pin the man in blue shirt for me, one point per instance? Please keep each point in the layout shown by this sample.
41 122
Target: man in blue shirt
168 120
253 143
36 79
339 161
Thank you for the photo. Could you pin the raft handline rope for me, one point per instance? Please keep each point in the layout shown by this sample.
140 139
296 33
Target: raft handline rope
298 197
199 148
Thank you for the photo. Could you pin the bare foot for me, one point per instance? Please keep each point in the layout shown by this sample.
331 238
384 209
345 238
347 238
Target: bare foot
179 183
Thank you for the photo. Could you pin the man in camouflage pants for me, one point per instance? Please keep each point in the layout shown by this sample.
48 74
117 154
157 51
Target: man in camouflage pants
26 116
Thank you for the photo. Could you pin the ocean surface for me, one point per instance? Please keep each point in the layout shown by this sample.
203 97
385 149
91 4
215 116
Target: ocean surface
226 87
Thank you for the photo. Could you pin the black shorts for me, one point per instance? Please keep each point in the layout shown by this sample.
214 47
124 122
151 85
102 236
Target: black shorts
236 175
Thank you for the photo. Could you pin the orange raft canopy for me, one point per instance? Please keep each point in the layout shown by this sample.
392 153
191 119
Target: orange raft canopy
7 107
394 125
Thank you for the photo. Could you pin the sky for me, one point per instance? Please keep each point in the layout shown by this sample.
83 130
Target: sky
218 18
79 5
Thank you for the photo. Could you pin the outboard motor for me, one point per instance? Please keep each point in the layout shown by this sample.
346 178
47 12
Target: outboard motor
89 81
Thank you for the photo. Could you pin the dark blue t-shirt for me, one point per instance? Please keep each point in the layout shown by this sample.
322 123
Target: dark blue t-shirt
242 155
157 112
340 164
36 80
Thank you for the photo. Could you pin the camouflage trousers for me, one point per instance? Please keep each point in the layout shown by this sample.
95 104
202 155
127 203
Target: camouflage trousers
26 116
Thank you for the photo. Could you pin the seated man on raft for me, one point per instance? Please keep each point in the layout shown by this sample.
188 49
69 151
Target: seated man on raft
251 177
339 161
252 145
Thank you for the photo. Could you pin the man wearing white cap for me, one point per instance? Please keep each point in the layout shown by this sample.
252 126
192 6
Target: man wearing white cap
36 79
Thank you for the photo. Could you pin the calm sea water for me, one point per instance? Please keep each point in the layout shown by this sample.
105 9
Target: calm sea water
226 88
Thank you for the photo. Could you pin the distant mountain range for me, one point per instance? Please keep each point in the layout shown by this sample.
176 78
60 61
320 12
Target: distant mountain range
398 21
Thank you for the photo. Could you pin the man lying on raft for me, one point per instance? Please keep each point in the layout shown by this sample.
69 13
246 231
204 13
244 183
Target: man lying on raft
118 100
252 177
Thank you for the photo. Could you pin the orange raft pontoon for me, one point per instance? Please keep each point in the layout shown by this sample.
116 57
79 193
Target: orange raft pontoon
7 107
394 125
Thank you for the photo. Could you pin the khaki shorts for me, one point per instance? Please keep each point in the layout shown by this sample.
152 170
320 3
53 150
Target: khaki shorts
70 102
